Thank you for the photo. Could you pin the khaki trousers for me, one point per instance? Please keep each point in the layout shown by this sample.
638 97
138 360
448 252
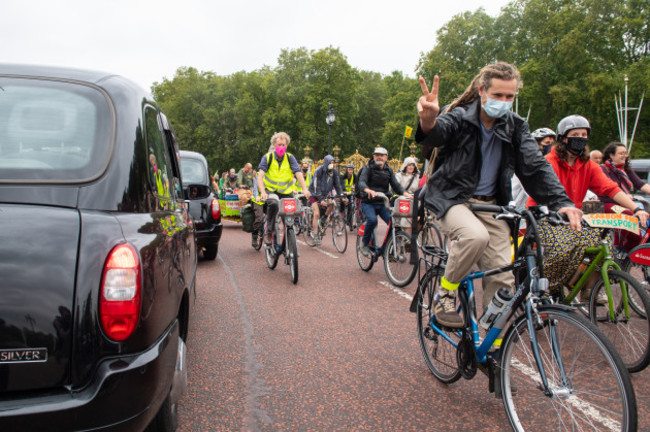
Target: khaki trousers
477 238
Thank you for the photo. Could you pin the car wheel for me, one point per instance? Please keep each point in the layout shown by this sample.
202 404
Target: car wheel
210 252
166 419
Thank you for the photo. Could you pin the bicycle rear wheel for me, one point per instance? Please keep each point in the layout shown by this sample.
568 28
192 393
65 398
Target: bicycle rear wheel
397 260
597 393
438 346
308 231
270 251
630 335
292 253
365 262
339 234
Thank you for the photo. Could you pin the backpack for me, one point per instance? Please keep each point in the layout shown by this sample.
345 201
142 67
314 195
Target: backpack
247 215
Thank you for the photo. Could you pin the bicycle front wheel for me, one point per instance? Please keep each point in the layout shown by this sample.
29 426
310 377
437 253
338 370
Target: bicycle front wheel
365 262
292 253
339 234
430 235
397 260
628 332
438 345
588 385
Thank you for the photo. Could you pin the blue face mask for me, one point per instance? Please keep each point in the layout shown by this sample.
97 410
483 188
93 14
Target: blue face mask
496 108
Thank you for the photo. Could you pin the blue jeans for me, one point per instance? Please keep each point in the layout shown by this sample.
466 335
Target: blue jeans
371 211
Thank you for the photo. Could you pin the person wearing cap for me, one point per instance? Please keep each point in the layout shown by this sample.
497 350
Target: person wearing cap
481 143
377 176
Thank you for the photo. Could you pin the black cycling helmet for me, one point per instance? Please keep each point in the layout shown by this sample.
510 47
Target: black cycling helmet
542 133
572 122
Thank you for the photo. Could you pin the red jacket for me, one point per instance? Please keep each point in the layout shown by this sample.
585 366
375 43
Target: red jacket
578 178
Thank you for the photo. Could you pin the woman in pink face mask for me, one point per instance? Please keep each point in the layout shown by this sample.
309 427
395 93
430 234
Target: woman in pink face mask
275 175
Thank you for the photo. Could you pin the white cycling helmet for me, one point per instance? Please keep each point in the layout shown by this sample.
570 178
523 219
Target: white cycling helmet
573 122
542 133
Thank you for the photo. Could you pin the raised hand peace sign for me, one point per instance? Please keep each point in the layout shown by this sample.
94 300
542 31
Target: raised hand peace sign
428 107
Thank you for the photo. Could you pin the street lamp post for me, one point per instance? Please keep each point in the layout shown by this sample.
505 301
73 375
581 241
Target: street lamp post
329 120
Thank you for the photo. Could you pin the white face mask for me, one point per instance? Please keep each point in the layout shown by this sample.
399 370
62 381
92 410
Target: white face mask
330 166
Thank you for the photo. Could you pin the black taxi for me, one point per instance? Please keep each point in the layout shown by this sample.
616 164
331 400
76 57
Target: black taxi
97 254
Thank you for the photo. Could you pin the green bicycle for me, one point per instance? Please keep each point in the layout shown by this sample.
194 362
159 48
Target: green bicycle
616 318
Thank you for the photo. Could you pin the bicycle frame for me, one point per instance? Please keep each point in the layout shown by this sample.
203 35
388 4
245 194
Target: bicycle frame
466 289
390 231
604 261
521 299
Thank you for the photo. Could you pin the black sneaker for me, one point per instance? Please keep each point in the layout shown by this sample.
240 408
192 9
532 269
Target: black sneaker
445 310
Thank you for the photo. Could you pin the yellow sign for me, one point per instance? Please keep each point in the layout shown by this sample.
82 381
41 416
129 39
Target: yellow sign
611 220
407 132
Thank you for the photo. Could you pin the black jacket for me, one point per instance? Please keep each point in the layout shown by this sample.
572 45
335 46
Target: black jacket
457 134
379 180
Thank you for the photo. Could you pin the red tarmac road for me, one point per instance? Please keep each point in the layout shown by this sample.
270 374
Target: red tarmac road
336 352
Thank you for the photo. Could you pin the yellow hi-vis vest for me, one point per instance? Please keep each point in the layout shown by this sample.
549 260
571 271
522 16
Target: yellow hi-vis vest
349 183
279 177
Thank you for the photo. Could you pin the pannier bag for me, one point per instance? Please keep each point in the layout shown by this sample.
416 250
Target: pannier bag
247 218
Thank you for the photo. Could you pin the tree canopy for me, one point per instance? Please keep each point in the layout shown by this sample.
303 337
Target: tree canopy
573 56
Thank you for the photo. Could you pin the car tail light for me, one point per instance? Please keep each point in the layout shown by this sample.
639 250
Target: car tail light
121 292
216 211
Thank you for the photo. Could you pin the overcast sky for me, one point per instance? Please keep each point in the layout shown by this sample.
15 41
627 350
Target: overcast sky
148 40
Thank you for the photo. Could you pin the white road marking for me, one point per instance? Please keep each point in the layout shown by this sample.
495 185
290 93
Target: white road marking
396 290
318 249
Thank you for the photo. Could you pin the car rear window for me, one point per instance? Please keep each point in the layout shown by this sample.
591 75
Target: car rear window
53 131
193 171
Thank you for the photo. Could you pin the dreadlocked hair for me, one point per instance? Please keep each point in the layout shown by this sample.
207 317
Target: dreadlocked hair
500 70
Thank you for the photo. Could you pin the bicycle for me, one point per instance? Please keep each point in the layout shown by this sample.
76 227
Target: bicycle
554 369
335 220
619 319
350 209
429 234
284 236
301 223
395 249
259 240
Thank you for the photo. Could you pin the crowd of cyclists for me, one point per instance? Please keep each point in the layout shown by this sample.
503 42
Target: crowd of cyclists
476 150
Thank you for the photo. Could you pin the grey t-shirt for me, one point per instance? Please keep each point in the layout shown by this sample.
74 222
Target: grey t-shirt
491 148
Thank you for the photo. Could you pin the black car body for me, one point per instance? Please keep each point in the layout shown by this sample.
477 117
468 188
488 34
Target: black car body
204 206
97 254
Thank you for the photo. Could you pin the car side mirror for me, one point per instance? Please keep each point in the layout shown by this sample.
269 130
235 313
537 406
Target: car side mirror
197 191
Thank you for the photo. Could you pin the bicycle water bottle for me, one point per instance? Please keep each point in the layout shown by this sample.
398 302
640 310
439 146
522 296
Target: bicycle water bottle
496 306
